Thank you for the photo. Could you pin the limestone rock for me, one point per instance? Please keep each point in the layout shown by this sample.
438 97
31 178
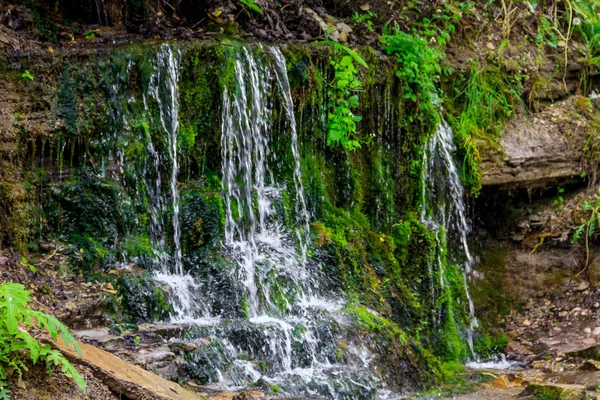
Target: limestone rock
535 151
555 392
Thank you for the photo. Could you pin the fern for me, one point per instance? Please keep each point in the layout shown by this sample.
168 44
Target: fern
16 344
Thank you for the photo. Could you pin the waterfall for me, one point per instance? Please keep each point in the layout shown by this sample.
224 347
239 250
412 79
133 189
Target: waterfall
256 238
444 207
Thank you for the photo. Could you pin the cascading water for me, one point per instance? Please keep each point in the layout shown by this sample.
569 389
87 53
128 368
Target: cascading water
444 208
298 335
163 89
258 240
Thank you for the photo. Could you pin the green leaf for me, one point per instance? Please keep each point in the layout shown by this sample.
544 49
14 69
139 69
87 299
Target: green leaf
13 299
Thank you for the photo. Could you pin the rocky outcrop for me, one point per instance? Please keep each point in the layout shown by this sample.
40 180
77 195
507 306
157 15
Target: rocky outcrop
540 149
124 378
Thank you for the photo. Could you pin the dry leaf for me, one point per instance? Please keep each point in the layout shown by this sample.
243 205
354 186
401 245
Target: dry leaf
364 7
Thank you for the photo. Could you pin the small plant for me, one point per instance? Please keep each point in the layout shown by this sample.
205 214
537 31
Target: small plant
365 19
559 201
137 340
588 226
89 35
17 345
27 265
343 97
252 5
27 75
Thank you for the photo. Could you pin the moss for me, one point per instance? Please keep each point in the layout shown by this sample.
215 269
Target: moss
488 346
373 323
13 215
141 300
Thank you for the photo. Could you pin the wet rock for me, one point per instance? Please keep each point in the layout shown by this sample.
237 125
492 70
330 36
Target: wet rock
160 331
555 392
590 365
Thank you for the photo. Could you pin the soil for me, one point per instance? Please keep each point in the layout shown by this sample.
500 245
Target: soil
37 385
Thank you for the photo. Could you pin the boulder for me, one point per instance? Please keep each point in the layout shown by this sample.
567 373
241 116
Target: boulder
536 151
555 392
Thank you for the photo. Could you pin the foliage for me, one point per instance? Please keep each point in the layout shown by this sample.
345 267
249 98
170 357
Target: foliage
343 97
365 19
252 5
587 27
589 225
17 345
27 75
418 65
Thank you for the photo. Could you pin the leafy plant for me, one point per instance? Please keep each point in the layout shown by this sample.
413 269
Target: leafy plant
252 5
588 226
26 264
27 75
365 19
587 26
343 98
17 345
89 35
418 64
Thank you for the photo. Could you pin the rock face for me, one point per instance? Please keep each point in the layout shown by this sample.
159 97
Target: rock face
592 353
127 379
537 151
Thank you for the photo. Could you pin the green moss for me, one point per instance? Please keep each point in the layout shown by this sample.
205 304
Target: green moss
487 347
373 323
141 300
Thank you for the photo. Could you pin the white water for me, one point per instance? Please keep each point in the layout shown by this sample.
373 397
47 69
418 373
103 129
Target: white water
444 206
496 363
163 89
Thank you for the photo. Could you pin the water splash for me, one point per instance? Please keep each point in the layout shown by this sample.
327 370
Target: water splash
444 207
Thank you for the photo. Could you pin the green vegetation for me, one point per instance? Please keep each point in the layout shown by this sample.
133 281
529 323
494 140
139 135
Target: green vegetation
343 97
16 343
27 75
590 222
252 6
418 66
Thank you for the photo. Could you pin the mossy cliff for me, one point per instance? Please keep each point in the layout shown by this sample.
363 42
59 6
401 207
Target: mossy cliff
84 182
